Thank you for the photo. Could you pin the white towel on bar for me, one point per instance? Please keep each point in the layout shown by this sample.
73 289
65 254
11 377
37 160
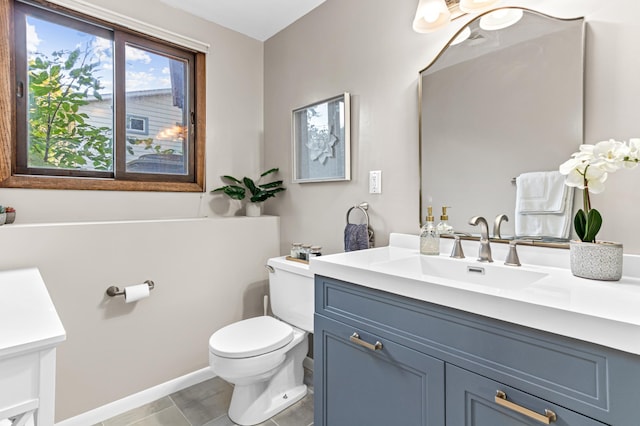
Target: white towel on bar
543 205
541 192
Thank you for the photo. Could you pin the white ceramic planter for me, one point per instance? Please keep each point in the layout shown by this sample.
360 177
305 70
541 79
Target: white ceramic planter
253 209
11 217
596 261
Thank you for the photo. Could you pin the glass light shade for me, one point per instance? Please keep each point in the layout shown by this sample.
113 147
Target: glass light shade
499 19
476 6
431 15
464 34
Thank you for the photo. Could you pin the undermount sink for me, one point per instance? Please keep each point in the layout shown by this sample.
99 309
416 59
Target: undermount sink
461 270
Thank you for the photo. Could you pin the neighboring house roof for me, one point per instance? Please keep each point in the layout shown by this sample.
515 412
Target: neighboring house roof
136 94
158 163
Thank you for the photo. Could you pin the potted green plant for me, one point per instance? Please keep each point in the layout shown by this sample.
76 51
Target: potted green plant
3 215
588 169
260 192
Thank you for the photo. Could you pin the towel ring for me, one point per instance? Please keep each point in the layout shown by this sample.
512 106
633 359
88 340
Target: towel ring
363 208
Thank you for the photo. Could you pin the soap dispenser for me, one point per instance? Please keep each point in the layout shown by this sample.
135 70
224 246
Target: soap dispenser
429 237
443 226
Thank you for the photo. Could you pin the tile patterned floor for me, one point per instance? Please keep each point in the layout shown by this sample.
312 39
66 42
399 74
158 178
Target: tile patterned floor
205 404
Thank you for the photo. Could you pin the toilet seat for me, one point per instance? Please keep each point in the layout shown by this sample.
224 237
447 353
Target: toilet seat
250 337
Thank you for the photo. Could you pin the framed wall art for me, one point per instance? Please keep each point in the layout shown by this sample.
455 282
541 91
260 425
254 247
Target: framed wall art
322 141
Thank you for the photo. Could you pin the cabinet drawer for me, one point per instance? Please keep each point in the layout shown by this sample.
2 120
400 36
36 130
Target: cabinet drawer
472 401
572 373
359 385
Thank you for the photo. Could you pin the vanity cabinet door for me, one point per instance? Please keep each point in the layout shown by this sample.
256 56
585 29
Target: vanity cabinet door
357 384
472 400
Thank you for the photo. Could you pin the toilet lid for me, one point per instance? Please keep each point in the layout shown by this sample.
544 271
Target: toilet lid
250 337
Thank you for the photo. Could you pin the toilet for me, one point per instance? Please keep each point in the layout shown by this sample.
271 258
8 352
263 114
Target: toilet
262 357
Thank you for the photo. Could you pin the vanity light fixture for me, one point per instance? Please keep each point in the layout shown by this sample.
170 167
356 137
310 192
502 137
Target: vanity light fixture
431 15
499 19
476 6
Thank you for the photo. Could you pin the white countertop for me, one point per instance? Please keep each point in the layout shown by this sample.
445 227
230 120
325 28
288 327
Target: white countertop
28 319
601 312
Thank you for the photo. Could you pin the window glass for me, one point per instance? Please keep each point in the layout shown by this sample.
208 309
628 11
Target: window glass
156 88
95 100
70 102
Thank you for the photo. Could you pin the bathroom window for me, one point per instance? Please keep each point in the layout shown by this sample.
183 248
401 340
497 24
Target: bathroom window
96 102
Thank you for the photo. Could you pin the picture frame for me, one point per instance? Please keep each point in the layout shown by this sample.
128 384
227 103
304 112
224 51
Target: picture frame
322 141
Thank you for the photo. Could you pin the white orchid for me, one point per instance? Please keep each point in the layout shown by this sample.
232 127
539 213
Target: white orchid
609 155
633 154
588 169
580 173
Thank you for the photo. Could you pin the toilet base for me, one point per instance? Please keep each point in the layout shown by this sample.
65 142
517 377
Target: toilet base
264 408
254 403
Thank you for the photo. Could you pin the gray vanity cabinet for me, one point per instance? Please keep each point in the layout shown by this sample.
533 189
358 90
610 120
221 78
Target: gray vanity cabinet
365 386
439 366
471 401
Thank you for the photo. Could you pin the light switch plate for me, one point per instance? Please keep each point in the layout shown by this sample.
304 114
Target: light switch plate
375 181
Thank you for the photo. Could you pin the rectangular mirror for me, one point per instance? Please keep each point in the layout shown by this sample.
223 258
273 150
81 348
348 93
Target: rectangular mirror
493 106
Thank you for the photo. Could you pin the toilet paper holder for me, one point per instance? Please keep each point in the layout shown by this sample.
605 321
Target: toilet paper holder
115 291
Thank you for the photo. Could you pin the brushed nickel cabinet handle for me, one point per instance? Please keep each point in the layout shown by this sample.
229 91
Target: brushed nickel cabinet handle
355 338
546 418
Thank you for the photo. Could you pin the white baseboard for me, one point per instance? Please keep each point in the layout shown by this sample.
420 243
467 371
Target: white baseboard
146 396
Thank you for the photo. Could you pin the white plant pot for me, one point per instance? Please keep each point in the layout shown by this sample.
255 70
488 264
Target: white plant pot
253 209
596 261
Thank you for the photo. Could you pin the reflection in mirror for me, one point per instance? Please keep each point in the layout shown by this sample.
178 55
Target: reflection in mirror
495 106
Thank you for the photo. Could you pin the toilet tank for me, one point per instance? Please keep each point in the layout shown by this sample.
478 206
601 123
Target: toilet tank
291 292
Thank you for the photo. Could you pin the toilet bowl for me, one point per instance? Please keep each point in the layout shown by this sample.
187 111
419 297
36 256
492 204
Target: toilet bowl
262 357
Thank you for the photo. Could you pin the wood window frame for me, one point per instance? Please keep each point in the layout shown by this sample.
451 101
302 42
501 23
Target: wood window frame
8 115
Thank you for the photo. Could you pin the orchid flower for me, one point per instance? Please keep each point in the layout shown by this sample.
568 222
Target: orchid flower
588 170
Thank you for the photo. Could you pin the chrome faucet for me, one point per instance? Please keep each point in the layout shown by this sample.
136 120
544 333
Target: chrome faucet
497 223
484 254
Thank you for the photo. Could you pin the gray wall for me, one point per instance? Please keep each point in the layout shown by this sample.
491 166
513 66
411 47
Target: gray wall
369 49
114 349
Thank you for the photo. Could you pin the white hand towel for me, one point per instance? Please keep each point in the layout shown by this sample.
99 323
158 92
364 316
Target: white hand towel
540 192
537 215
